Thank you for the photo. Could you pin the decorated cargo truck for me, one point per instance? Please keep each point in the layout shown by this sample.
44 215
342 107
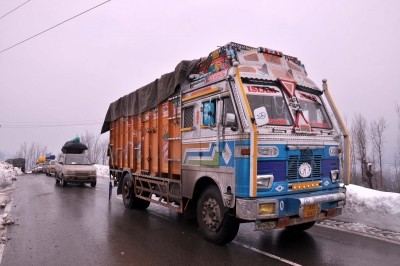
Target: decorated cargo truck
242 135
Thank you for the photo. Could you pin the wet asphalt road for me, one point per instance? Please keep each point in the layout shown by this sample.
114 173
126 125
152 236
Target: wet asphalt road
77 225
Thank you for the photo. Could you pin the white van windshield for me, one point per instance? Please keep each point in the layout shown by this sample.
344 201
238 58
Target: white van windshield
77 159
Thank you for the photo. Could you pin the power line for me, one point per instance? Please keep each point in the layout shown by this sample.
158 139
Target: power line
53 26
14 9
50 122
5 126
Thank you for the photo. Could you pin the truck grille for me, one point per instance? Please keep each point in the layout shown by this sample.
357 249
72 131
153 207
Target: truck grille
295 161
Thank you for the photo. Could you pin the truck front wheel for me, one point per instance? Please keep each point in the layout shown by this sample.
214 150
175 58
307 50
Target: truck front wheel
128 196
216 222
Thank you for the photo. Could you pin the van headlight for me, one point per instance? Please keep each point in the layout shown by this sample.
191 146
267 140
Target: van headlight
265 181
335 175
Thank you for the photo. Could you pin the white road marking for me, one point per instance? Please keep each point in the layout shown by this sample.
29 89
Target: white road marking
266 254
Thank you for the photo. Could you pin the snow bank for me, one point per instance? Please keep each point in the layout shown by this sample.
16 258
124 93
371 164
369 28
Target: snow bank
8 174
102 170
371 207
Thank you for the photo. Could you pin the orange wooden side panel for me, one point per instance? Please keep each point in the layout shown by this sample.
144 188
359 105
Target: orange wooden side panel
148 143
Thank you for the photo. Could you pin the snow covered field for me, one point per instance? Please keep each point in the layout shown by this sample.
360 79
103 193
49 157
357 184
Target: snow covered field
367 211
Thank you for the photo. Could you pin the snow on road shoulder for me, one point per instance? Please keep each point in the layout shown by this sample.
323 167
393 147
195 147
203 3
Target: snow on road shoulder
8 174
102 170
373 208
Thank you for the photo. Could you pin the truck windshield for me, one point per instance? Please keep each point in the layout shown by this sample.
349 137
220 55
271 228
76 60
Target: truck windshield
272 99
77 159
313 110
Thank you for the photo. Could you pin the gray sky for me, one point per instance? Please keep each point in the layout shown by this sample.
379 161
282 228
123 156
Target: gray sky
70 74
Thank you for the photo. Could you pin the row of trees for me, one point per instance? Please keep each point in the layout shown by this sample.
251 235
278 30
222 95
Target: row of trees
97 150
367 145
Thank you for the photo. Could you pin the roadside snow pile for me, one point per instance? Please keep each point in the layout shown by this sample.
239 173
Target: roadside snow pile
8 174
102 170
371 207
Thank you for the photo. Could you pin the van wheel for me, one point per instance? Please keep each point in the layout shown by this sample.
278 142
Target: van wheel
63 182
216 222
300 227
93 184
128 196
57 180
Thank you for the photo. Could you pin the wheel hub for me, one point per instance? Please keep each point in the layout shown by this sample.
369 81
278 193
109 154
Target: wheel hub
211 214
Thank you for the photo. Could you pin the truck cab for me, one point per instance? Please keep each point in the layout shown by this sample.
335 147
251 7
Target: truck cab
242 135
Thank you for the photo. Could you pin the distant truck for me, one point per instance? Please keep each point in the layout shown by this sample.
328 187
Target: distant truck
17 162
242 135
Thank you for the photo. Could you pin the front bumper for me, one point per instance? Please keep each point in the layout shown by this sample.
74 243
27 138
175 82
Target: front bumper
290 209
79 179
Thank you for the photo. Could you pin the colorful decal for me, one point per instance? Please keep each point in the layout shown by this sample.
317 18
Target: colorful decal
227 153
273 59
164 107
309 97
259 90
247 69
199 93
216 76
263 70
281 73
251 57
289 86
205 154
164 147
294 66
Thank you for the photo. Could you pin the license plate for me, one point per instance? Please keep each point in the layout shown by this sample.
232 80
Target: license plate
311 210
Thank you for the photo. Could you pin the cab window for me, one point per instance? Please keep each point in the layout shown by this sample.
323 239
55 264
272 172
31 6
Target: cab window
209 113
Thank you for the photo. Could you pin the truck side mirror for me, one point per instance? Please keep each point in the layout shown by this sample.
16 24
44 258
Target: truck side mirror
230 120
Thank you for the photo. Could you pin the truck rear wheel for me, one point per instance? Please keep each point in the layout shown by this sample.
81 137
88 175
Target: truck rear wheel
216 222
128 195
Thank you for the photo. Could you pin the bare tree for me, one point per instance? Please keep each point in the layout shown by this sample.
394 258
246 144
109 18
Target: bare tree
376 130
31 153
359 131
92 142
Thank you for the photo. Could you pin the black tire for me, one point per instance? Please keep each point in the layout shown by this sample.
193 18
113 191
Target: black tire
63 182
216 223
300 227
93 184
128 196
57 180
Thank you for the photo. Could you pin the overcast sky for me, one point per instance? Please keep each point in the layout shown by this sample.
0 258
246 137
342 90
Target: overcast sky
71 73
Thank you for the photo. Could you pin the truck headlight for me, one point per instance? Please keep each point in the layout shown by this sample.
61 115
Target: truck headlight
335 175
266 208
265 181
